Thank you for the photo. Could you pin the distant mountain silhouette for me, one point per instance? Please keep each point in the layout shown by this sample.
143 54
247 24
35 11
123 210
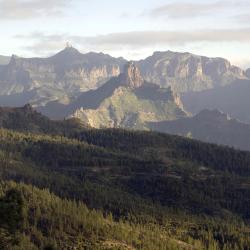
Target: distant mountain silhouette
124 101
65 75
233 100
209 126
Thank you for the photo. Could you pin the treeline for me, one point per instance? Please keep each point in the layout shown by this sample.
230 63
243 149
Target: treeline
36 219
117 189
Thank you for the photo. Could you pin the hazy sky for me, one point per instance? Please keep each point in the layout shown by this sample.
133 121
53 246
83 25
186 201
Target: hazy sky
129 28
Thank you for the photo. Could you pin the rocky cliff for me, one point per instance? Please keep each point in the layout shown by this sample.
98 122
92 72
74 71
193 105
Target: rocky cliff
186 72
61 79
130 103
66 74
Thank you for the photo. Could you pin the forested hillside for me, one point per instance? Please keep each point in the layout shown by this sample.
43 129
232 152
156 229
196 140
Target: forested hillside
119 189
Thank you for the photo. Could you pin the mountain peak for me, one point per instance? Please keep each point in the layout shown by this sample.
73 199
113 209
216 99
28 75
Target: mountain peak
68 53
212 115
12 60
70 48
132 76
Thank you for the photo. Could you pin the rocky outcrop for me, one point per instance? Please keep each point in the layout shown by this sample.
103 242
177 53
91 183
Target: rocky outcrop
62 78
68 73
186 72
128 101
131 76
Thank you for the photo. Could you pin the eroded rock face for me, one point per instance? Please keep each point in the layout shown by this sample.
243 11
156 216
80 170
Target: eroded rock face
63 77
186 72
131 103
131 76
67 73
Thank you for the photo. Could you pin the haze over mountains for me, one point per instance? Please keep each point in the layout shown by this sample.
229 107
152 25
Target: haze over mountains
233 100
66 74
59 77
186 72
104 91
4 60
126 145
127 101
211 126
64 186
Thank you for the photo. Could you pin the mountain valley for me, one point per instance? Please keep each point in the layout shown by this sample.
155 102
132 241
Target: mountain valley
67 186
96 162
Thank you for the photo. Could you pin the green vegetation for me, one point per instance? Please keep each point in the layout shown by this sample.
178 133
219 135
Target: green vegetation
53 223
120 189
128 109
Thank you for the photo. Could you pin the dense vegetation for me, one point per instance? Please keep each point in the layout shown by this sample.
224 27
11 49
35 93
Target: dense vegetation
118 189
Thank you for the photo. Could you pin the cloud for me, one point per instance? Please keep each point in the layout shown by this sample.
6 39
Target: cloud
243 18
135 40
178 10
149 38
25 9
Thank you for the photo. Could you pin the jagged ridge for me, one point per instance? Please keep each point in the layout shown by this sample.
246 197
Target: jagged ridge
128 101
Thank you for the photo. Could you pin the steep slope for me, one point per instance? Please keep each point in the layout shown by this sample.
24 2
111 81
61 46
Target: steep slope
186 72
127 101
150 183
62 77
59 77
233 100
50 222
27 119
210 126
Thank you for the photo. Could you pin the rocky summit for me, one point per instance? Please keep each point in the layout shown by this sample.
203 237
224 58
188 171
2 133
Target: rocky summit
131 76
67 74
186 72
57 78
130 102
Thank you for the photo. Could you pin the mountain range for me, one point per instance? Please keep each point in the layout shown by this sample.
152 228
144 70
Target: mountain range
211 126
103 91
64 76
124 101
233 100
71 187
66 185
60 77
186 72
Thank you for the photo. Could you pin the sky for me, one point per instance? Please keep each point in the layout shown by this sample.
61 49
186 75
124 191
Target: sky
133 29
